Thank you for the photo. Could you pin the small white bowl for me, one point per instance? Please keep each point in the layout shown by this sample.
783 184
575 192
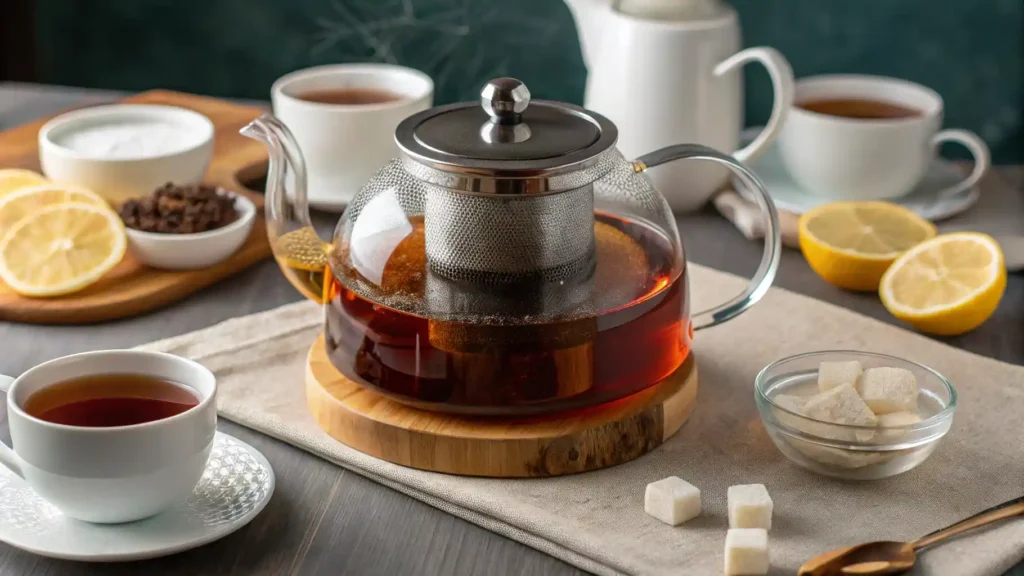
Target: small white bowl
198 250
136 171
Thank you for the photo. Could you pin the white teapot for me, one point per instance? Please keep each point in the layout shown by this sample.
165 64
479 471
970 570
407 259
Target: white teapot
665 71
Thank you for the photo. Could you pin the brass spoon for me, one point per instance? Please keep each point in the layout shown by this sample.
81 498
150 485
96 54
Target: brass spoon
895 557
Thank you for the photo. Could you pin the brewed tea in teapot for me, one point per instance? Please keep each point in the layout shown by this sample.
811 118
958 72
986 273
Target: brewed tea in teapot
510 262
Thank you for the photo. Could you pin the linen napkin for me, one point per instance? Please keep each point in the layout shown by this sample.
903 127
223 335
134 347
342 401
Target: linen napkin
747 218
596 521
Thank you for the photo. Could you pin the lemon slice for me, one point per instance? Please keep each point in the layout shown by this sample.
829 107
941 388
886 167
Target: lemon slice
61 249
851 244
26 201
12 179
947 285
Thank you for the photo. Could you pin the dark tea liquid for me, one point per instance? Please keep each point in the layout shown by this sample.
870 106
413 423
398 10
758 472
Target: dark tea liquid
859 108
634 331
350 96
107 400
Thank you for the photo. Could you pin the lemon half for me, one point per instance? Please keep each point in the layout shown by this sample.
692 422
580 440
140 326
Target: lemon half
948 285
851 244
24 202
61 249
12 179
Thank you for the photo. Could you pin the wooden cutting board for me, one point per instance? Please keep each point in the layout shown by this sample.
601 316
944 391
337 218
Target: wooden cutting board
131 288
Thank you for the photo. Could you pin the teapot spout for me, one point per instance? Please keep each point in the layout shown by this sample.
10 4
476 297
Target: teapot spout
299 251
589 16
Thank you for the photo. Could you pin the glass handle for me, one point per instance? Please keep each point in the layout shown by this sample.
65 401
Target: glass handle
762 279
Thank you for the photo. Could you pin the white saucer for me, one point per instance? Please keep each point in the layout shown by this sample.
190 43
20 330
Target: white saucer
236 485
923 199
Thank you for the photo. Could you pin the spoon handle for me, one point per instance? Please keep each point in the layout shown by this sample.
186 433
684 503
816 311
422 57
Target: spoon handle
1002 511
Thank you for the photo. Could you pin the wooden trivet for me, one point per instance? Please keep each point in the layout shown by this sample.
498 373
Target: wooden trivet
534 446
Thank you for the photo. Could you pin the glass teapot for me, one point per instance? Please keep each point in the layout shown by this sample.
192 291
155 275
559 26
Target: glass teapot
511 261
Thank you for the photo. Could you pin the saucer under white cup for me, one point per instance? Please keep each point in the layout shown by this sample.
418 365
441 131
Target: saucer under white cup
844 158
926 198
343 145
235 486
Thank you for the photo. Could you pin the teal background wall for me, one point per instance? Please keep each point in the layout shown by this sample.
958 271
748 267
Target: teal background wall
970 51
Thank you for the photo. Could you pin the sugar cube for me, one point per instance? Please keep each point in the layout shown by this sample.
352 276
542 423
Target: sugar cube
846 459
750 506
672 500
793 404
840 405
797 405
898 419
887 390
746 552
832 374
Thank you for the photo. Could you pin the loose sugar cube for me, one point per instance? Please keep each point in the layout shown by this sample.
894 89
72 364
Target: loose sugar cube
746 552
840 405
750 506
898 419
832 374
887 390
672 500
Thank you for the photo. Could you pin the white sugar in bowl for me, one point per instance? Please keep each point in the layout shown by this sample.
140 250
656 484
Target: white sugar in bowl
124 151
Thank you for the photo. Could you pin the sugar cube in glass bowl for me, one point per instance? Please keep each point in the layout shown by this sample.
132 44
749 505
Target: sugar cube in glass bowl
805 425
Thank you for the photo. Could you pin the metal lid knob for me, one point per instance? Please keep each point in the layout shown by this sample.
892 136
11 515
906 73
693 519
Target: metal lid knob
504 100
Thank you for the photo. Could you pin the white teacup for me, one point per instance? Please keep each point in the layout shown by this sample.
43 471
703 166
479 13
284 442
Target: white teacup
114 474
345 144
845 158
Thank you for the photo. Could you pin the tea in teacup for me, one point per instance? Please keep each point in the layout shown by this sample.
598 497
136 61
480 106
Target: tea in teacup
350 96
104 400
859 108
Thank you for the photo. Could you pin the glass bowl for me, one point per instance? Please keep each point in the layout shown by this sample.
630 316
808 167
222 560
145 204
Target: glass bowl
848 451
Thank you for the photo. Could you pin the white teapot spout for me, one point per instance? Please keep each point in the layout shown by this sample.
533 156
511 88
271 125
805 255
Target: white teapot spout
590 17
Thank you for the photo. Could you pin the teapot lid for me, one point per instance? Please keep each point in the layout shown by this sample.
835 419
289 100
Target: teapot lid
507 136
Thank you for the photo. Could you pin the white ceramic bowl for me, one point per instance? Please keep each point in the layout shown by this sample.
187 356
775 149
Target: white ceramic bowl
137 171
191 251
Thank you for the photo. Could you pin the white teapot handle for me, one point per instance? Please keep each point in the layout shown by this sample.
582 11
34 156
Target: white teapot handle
762 279
781 74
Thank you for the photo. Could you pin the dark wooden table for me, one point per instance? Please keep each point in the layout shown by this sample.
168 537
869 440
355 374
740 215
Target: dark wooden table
325 520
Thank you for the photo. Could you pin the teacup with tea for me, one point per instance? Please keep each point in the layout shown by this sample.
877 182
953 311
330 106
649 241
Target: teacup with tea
111 436
855 137
344 117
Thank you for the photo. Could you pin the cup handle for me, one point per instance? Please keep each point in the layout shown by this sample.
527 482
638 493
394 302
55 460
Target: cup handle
781 74
762 279
978 148
7 456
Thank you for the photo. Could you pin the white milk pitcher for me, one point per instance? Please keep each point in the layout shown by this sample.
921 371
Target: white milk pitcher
667 71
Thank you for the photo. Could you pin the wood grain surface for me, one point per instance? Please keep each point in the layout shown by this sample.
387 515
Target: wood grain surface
132 288
539 446
324 520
